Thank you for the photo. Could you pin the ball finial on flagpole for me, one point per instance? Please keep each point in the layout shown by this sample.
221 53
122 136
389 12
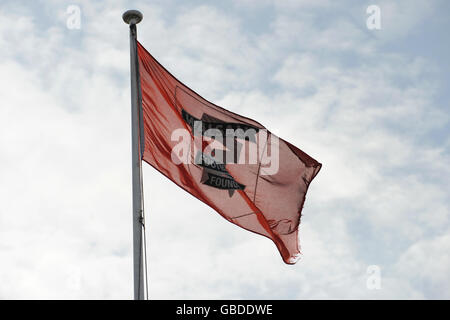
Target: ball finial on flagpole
132 17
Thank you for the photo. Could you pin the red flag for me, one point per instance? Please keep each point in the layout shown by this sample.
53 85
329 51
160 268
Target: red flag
232 163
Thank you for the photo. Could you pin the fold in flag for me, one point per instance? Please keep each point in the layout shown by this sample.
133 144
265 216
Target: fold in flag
233 164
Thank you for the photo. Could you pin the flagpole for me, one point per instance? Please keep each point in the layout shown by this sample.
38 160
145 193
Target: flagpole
133 17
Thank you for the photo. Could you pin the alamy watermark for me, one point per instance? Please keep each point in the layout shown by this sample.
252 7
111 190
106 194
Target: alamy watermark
373 22
73 281
73 21
373 281
216 144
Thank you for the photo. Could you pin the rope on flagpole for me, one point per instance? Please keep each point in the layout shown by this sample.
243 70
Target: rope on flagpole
144 239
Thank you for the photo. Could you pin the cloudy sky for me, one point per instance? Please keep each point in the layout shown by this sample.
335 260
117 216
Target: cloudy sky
371 105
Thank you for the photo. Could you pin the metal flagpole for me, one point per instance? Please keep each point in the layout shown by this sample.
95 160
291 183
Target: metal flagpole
133 17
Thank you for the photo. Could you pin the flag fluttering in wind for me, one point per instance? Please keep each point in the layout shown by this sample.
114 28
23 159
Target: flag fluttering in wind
232 163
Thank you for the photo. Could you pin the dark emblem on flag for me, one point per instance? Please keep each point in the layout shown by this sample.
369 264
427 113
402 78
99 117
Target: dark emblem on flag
240 130
215 173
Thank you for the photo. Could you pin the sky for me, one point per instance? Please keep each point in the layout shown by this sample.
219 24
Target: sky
372 105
